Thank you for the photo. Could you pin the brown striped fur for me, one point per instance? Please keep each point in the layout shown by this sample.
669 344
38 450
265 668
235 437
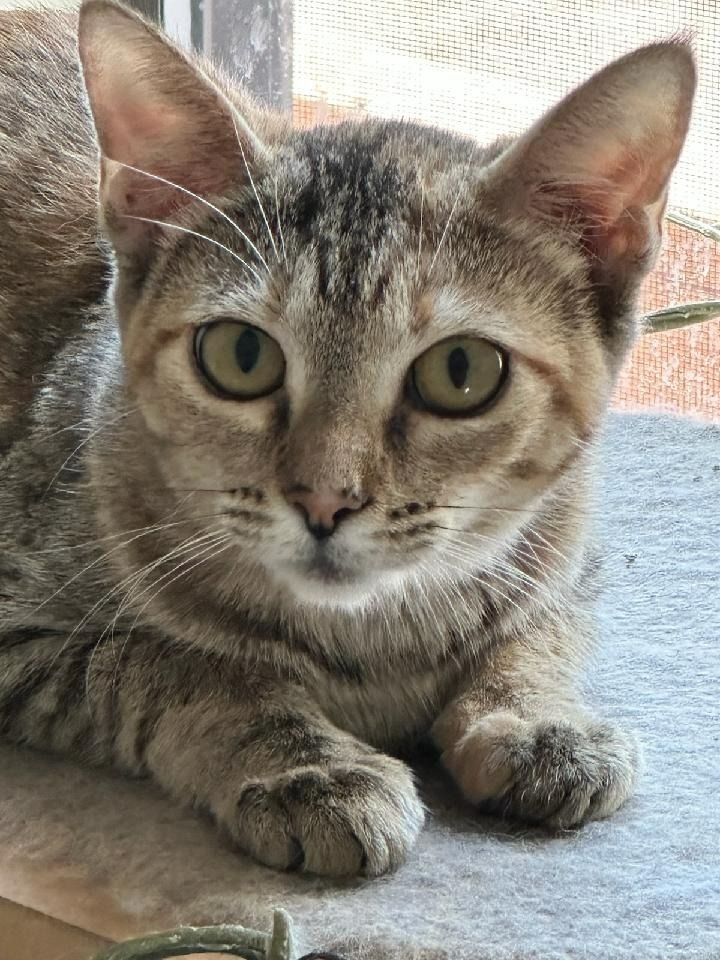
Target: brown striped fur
163 607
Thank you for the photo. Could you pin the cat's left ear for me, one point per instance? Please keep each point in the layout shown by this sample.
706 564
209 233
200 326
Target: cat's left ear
155 112
598 165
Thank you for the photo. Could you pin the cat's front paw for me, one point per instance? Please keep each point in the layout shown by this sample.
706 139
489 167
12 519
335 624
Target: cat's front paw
349 818
562 773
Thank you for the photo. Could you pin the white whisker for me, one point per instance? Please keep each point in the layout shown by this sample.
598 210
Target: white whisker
118 587
139 533
200 236
209 555
539 592
150 528
257 196
488 586
132 580
211 206
208 543
420 233
73 426
463 183
452 608
279 223
82 443
203 556
546 543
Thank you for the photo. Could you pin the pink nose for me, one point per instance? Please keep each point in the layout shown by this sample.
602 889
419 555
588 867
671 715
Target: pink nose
323 510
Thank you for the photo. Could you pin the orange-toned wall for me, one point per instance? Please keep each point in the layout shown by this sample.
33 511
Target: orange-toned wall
678 370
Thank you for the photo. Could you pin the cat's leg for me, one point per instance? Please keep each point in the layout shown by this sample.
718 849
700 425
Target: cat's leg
519 741
289 787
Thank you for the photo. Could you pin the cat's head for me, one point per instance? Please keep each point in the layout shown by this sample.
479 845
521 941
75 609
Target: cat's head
373 348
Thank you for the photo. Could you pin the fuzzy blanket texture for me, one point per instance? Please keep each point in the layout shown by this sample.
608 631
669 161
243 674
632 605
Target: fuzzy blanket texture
644 885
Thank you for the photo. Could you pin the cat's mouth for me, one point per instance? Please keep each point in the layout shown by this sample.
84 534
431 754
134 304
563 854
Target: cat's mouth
328 570
326 579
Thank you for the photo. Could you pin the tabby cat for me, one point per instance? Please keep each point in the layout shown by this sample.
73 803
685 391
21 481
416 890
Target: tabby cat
296 436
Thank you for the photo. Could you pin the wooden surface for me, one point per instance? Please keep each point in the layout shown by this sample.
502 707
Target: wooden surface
28 935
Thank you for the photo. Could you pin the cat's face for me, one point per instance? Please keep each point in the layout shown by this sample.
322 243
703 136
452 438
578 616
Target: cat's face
370 363
429 391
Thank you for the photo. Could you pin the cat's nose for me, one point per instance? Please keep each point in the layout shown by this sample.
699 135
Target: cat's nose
323 510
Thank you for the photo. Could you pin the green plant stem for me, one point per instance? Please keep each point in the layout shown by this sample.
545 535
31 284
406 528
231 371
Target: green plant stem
683 315
228 938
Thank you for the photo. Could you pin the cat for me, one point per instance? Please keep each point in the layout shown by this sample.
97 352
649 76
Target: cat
297 436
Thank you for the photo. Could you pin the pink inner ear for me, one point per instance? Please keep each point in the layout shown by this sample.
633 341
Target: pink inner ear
638 182
611 224
157 141
614 204
167 134
139 135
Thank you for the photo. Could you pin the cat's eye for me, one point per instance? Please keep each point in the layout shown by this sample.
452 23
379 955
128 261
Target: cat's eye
459 376
239 360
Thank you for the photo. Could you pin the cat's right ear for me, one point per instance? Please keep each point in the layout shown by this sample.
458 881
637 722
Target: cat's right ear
165 130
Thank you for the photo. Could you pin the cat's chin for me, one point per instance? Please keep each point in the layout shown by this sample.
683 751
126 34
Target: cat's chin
349 593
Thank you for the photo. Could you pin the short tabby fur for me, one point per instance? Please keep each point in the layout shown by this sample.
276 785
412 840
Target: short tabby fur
167 603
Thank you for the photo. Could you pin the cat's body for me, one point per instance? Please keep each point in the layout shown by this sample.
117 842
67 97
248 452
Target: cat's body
162 606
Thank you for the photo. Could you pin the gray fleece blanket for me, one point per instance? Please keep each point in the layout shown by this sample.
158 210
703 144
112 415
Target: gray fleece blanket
642 886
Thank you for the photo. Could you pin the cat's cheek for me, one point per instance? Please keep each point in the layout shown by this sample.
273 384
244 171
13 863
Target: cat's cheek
176 404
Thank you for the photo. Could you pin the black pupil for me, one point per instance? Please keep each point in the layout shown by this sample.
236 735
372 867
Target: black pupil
247 350
458 366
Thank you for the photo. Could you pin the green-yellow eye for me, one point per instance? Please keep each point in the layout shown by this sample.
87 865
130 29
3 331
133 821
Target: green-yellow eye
459 376
239 360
